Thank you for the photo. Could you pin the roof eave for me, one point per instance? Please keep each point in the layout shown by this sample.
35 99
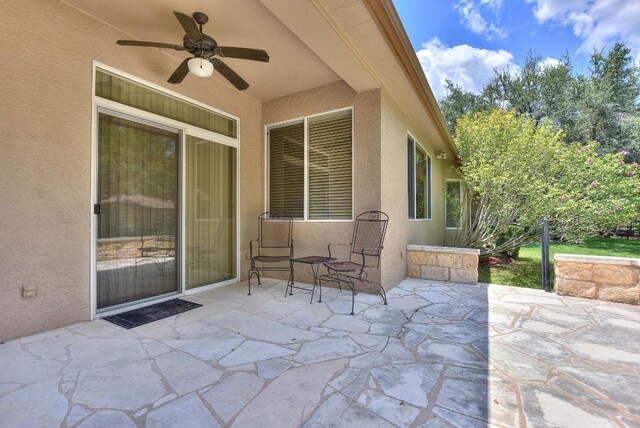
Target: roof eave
390 25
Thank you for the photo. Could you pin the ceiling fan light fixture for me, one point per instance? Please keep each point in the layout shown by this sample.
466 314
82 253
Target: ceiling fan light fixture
200 67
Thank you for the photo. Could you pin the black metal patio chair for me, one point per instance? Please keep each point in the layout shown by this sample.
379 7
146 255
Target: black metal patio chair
364 256
273 250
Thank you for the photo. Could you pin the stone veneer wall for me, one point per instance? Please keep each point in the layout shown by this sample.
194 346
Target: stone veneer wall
443 263
615 279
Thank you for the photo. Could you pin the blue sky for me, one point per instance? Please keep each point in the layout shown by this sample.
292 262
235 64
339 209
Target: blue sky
464 40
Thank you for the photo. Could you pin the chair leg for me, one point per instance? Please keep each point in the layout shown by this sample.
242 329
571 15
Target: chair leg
378 289
286 290
256 272
352 286
381 292
320 287
313 289
334 276
353 296
290 282
319 282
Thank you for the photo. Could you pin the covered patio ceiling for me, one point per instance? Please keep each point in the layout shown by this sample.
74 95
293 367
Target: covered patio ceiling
293 67
310 43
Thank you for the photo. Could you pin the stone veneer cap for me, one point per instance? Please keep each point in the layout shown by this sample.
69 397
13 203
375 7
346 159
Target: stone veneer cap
452 250
597 259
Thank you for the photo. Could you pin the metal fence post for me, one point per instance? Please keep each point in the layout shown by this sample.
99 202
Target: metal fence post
545 255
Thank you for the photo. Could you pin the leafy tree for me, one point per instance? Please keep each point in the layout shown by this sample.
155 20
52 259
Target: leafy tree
592 192
608 101
519 91
457 103
602 106
516 172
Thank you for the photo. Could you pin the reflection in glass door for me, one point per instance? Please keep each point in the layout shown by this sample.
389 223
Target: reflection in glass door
210 211
137 221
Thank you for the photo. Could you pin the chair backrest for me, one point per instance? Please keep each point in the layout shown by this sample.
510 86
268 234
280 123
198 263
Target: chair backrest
275 230
368 235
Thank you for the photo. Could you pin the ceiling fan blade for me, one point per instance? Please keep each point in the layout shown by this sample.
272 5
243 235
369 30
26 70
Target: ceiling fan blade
180 73
244 53
149 44
229 74
189 25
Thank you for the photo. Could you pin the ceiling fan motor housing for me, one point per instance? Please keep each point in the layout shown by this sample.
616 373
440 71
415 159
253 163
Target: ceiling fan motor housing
200 17
207 43
204 49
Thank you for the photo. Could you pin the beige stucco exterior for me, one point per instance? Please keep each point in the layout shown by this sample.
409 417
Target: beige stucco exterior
395 128
312 237
46 161
45 166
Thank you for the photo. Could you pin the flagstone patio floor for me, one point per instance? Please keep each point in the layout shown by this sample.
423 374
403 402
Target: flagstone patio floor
440 354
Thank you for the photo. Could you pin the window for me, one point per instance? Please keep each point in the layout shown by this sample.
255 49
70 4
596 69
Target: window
453 204
133 94
286 170
310 167
419 168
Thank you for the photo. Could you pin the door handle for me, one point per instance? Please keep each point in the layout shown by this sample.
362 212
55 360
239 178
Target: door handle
96 208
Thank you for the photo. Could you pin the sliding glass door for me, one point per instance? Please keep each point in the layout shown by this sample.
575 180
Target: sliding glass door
141 247
210 211
137 211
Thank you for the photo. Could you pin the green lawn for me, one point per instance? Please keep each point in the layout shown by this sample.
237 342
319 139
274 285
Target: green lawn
526 271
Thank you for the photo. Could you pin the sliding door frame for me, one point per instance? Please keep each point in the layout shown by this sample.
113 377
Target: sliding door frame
101 105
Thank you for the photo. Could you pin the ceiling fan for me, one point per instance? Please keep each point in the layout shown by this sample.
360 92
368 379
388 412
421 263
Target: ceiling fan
205 51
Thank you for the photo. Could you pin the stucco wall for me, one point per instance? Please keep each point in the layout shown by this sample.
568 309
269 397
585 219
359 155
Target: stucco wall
45 176
395 126
312 238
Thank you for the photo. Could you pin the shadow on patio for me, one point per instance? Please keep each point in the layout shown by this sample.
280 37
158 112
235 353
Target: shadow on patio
266 360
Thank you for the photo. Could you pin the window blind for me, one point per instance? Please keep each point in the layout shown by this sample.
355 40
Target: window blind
210 209
429 186
286 170
411 168
137 95
421 183
330 166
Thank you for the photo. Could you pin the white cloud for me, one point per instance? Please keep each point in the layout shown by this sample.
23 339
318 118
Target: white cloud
493 4
599 23
472 18
551 9
549 62
469 67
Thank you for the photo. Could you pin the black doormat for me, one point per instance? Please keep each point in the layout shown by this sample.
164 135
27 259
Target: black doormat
151 313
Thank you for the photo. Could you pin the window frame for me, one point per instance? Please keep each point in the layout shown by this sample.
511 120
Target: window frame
446 183
305 121
411 186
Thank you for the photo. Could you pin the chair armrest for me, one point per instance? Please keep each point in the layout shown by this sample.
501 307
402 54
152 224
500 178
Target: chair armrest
336 245
251 247
364 260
